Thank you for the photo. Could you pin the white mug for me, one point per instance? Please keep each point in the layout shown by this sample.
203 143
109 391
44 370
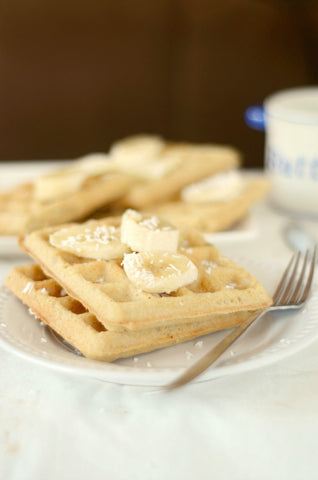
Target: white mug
290 120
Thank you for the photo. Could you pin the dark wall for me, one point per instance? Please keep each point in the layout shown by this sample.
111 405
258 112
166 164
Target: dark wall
75 75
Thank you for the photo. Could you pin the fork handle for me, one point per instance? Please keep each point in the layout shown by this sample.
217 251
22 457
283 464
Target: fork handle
210 357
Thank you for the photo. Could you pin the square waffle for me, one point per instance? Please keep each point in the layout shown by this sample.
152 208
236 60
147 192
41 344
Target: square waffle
80 328
22 212
192 162
209 217
222 287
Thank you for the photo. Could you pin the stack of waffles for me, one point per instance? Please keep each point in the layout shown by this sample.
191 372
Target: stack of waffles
198 185
121 286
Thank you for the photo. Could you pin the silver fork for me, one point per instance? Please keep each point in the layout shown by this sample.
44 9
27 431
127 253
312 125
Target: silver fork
291 292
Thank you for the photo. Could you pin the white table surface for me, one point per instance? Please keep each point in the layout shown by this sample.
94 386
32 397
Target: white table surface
256 425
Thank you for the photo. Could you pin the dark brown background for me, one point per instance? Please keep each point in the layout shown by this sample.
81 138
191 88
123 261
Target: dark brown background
75 75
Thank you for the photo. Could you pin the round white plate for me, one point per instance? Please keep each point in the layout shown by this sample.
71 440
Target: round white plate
9 246
246 229
275 336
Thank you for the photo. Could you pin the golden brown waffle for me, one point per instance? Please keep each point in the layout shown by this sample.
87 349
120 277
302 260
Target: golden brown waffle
211 217
70 319
102 287
193 163
21 212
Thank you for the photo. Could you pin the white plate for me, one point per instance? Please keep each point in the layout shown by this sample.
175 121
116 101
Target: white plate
270 339
246 229
13 173
9 246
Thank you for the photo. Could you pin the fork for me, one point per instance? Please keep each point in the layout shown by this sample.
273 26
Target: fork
291 293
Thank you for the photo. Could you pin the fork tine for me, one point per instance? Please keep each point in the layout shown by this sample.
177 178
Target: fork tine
285 280
295 295
290 286
310 277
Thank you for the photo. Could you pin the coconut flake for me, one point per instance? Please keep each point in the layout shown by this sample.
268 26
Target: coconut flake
28 288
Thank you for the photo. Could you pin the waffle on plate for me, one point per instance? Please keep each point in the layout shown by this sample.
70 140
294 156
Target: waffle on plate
22 210
212 216
164 168
140 289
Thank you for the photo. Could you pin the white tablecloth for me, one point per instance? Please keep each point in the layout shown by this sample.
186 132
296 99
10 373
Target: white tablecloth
256 425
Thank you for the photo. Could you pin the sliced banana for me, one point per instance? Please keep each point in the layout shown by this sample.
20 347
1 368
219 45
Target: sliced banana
137 149
159 168
150 170
217 188
59 184
94 164
159 272
95 241
148 233
68 180
142 156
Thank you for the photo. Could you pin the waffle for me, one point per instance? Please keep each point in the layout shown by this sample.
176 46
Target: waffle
80 328
192 162
211 217
103 288
21 212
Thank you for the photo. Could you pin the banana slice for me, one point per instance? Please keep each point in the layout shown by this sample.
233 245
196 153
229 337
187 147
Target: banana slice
217 188
150 170
148 233
94 164
159 272
137 149
141 156
66 181
59 184
96 241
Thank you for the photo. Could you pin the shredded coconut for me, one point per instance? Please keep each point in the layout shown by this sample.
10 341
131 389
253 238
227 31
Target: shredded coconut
31 312
189 355
28 288
209 265
152 223
74 239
